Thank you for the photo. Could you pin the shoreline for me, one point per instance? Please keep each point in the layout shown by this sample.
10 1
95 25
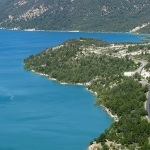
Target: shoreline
73 31
115 117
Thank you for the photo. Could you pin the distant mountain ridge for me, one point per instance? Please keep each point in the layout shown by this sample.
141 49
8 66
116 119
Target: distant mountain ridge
87 15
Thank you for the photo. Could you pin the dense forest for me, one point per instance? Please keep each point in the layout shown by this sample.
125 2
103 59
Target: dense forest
102 16
74 61
126 101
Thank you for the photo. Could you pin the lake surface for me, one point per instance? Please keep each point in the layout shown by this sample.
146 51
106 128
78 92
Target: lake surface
40 114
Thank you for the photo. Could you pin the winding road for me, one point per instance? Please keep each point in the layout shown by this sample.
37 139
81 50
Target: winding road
144 63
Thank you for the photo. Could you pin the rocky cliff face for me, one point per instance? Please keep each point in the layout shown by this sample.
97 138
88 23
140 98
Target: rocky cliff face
110 15
17 10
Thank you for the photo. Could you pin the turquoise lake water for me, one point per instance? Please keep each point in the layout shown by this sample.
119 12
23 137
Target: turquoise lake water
37 113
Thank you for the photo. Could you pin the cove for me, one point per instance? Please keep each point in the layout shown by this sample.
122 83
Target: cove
37 113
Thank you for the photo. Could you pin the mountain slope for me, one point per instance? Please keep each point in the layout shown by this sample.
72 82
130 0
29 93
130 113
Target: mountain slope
87 15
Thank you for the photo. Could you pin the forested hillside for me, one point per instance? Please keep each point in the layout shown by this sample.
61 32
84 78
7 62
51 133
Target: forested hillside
87 15
75 61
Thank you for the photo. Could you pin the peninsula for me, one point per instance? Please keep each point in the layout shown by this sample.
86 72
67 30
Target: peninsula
116 74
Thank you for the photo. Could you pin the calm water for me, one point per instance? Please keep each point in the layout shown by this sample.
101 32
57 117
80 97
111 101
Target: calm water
40 114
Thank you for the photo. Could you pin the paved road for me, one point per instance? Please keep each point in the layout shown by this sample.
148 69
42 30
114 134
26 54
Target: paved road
143 62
